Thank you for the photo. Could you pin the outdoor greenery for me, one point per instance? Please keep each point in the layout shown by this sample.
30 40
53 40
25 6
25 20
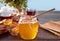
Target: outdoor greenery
17 3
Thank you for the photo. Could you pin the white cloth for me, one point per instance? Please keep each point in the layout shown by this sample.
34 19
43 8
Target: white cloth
7 11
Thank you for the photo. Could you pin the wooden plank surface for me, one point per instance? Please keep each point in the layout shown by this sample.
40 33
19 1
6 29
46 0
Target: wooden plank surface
43 35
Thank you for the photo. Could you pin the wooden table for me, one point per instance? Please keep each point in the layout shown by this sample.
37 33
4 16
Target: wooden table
43 35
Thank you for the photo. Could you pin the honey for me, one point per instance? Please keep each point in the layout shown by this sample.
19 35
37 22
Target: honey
28 29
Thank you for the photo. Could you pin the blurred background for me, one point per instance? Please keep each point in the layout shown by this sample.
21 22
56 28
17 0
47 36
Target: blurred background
41 5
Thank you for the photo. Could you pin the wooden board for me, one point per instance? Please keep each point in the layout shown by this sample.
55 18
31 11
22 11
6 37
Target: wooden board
52 26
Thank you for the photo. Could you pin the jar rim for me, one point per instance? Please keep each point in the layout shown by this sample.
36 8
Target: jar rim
24 20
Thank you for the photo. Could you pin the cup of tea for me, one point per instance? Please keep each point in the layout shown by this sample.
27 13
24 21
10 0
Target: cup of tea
31 12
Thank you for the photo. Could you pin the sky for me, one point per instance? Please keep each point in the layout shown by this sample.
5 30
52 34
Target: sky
41 5
44 4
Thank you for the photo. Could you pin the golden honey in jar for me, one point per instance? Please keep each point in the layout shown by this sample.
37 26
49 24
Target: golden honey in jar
28 29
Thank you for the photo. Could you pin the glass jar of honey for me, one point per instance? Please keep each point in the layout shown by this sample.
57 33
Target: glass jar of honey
28 28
